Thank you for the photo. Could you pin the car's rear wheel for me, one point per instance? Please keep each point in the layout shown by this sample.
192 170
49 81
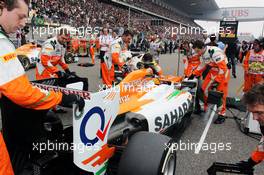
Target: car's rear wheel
148 154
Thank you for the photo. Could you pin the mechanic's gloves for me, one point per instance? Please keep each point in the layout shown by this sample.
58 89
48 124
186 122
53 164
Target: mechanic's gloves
247 164
191 77
69 72
215 85
155 72
61 74
66 74
125 68
69 100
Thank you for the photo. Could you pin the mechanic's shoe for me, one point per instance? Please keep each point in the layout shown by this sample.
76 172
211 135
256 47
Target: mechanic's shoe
198 111
234 75
220 119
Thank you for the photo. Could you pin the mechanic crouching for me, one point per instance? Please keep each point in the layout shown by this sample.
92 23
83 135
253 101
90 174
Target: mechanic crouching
52 53
254 99
115 57
17 95
217 75
191 61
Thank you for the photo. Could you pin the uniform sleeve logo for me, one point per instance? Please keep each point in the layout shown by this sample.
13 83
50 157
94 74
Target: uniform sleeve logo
53 43
211 52
8 57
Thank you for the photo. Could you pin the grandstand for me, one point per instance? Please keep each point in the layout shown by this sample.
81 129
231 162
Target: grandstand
109 13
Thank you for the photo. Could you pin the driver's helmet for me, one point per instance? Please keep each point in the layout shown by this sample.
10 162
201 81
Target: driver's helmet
148 60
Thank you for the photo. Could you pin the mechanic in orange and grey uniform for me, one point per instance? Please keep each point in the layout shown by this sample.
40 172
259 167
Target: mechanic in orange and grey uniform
115 57
92 42
254 99
52 53
16 89
218 76
254 65
191 61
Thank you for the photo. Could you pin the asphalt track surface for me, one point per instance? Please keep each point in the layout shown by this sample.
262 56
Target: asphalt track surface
233 145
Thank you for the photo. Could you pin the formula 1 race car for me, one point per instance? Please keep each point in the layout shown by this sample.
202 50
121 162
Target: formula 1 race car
28 55
122 130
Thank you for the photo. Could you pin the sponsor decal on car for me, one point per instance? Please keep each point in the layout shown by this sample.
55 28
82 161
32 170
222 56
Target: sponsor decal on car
172 117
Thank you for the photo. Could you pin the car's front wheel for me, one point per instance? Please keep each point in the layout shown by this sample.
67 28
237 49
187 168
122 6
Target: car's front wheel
24 61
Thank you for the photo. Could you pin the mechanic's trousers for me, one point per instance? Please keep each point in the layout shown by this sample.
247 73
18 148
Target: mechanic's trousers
251 80
92 54
5 164
107 75
190 66
222 87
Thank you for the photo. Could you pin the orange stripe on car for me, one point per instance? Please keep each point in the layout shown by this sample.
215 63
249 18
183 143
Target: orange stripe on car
104 154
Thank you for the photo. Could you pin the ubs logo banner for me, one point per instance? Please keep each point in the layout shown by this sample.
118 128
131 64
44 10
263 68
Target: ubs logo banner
235 13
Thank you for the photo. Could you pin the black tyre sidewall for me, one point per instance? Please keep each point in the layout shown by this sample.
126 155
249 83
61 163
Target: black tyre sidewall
24 59
145 154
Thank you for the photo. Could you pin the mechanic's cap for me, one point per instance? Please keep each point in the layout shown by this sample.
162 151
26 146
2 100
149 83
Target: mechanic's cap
147 58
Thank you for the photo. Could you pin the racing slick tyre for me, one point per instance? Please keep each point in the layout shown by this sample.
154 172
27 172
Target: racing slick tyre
24 61
149 154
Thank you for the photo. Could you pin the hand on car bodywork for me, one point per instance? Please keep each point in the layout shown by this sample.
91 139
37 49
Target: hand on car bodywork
191 77
60 74
70 99
69 72
247 164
